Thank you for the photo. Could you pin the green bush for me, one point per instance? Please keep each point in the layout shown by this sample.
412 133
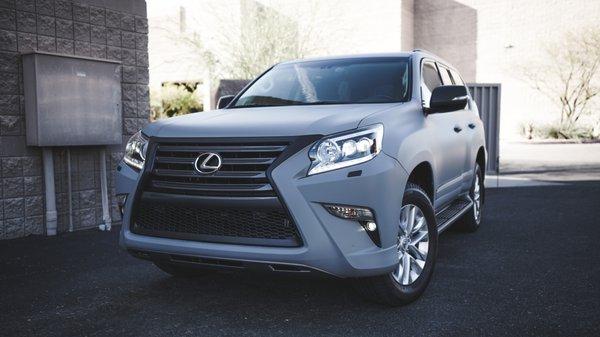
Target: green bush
556 131
174 100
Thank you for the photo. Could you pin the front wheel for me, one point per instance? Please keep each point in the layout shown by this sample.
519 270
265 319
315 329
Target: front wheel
417 250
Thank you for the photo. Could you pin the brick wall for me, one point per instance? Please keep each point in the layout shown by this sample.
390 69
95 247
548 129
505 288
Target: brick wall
107 29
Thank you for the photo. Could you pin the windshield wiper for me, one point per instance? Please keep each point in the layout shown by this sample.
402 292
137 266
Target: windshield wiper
262 101
323 102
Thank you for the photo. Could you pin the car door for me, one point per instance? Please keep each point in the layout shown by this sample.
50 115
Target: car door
469 117
447 144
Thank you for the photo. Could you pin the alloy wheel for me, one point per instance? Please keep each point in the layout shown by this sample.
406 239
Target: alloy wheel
412 245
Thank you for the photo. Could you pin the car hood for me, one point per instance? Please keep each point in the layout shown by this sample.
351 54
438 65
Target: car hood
267 121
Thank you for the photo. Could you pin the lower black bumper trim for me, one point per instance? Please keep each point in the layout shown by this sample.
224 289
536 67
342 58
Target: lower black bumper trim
219 238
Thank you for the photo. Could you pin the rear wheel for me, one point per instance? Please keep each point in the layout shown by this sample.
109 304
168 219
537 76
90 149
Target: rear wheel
417 249
472 219
181 271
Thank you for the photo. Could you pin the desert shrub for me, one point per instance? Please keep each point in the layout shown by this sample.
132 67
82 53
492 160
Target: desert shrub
174 100
558 131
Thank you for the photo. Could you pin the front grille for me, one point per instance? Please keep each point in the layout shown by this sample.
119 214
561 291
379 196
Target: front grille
270 227
204 216
243 172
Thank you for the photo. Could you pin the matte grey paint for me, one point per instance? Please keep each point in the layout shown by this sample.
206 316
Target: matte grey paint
71 101
333 245
267 121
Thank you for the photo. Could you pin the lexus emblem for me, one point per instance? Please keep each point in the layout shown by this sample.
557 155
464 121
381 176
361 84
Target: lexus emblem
208 163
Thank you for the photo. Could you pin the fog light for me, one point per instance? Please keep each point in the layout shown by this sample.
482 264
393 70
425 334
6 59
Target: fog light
363 215
371 226
350 212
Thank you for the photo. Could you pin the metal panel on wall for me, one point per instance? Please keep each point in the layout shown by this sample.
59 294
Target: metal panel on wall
72 101
487 97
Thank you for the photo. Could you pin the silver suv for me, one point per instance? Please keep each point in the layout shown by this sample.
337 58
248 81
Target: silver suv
349 166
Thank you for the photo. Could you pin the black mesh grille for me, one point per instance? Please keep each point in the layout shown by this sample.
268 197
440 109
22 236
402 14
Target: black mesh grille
233 225
243 172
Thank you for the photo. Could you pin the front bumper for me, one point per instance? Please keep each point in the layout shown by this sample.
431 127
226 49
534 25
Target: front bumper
331 245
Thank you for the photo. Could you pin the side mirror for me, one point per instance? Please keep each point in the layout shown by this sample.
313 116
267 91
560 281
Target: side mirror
448 98
224 101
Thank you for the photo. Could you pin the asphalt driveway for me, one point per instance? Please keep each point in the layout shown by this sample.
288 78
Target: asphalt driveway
532 269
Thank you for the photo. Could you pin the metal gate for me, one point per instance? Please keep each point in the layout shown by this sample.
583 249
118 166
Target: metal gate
487 97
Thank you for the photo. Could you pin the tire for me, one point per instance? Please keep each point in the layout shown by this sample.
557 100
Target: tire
389 289
182 271
471 221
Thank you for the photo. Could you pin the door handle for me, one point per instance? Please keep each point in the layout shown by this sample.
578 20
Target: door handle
457 129
471 125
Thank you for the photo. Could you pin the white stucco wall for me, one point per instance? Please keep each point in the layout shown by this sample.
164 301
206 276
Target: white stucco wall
508 36
487 40
170 58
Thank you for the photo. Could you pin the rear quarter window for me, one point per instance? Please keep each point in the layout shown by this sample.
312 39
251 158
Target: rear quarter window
445 74
456 77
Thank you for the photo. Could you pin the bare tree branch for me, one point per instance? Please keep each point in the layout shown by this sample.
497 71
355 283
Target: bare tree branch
570 77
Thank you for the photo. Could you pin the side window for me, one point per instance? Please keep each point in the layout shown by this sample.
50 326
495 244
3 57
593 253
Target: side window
456 77
451 76
446 79
430 79
458 81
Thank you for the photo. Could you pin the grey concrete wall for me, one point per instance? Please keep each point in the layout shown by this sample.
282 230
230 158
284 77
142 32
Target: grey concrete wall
108 29
449 29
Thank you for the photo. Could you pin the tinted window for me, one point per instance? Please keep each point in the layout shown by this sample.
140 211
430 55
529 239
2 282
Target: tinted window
430 80
376 80
456 77
446 76
451 77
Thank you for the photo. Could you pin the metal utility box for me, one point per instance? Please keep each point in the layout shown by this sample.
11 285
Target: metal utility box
71 101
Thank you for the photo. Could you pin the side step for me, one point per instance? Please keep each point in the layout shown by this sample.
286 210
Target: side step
452 212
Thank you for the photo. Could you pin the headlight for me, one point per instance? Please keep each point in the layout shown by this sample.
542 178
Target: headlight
346 149
135 151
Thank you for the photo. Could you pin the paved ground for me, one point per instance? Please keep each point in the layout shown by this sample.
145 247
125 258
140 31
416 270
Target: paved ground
532 269
550 162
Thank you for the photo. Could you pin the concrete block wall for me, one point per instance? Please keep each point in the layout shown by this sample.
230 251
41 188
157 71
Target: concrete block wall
449 29
107 29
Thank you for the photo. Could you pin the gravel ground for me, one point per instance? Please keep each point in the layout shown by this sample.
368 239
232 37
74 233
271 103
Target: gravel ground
531 270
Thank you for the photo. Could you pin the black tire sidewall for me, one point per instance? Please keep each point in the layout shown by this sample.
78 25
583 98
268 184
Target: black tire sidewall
416 196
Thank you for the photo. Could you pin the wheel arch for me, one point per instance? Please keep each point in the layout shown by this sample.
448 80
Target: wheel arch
480 158
422 175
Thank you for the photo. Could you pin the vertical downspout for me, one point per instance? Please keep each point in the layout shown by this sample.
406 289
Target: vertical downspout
70 190
50 192
106 226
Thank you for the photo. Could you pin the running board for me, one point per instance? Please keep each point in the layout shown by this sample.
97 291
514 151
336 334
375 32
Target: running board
452 212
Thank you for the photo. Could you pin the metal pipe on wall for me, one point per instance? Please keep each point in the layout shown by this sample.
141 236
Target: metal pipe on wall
70 190
106 226
51 217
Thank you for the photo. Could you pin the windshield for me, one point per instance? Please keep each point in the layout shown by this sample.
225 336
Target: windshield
346 81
